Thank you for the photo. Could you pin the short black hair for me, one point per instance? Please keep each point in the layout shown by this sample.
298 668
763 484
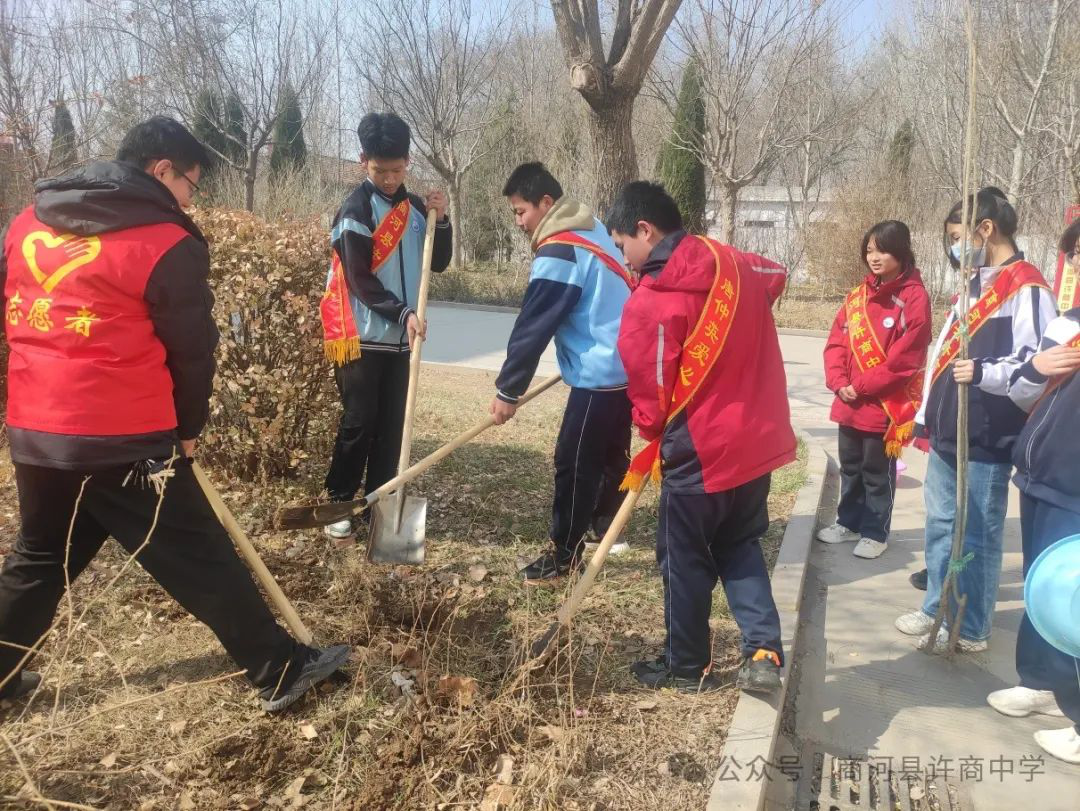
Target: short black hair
384 135
989 203
892 237
163 138
532 181
642 200
1070 238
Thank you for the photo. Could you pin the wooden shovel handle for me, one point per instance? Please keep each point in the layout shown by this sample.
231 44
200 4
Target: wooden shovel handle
414 357
247 550
618 524
421 467
543 645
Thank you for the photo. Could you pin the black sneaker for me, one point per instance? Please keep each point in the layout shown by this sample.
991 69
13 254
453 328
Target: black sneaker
647 666
655 674
321 664
759 673
551 566
24 684
918 580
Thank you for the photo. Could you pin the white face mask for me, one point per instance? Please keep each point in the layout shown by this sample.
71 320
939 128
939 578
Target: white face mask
976 257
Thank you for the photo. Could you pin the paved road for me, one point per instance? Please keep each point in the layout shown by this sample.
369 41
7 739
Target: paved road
864 689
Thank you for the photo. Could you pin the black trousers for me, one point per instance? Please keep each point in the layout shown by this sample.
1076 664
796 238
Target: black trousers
189 554
705 537
867 484
373 389
1039 664
591 458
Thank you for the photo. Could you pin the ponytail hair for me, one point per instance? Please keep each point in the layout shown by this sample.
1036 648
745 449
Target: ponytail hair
988 203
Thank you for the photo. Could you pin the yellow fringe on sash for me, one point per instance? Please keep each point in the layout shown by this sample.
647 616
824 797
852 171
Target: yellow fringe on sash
900 436
342 350
634 479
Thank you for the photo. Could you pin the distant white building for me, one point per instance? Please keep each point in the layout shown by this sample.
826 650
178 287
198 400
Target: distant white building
768 218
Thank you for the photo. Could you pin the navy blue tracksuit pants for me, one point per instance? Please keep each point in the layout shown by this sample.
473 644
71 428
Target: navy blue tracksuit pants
1039 664
591 458
703 537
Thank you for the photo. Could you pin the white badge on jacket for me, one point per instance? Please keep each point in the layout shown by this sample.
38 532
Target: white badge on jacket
889 322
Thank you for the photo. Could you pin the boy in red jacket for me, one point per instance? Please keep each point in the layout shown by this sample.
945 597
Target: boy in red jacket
873 364
707 385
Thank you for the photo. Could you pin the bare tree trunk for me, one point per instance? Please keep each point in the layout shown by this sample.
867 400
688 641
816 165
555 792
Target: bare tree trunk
453 191
614 153
250 173
730 202
1016 172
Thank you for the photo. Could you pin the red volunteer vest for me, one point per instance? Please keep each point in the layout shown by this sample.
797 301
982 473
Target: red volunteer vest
84 357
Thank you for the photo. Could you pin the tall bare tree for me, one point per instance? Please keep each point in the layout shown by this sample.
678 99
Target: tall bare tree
757 62
437 71
611 80
1018 74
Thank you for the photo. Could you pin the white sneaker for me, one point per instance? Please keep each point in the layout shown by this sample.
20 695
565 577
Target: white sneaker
1064 744
340 530
917 623
941 644
869 548
1019 702
837 533
617 548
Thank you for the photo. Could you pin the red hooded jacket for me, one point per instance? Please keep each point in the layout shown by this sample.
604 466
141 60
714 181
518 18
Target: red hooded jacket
738 425
899 312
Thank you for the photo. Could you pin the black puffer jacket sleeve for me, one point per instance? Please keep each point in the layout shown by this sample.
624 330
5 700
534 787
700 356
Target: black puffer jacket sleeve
181 308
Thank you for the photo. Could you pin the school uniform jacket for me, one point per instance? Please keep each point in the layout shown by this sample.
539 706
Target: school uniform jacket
1048 447
1003 388
737 427
900 314
382 301
573 297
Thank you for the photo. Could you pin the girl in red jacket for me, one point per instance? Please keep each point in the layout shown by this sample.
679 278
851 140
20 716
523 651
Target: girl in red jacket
873 363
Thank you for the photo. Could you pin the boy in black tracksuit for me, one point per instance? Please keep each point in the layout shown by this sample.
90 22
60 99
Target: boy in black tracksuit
368 316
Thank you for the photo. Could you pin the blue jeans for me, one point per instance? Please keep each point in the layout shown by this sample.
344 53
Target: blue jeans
1039 664
988 496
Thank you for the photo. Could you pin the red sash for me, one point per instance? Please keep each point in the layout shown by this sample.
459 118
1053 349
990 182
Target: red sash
902 405
341 341
699 355
1010 281
578 241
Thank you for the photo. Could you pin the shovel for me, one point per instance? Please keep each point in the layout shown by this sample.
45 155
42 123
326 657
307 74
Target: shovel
308 516
397 531
254 562
567 610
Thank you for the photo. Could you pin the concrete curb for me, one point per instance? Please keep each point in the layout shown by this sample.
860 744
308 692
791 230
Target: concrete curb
494 308
755 725
483 308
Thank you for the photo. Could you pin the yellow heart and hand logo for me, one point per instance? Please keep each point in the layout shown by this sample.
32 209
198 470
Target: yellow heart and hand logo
59 255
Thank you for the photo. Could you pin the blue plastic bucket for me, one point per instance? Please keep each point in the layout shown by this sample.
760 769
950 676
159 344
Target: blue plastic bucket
1052 595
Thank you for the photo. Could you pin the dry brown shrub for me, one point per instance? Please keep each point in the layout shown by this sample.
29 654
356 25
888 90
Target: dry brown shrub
274 404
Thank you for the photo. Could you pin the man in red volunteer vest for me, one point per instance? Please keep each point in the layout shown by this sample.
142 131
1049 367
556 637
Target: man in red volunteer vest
709 394
108 320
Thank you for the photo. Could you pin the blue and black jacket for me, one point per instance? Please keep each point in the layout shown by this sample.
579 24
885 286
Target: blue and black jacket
1048 448
382 301
1003 387
576 299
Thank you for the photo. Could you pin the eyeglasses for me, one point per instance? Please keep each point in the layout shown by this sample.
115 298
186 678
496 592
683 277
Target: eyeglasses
194 185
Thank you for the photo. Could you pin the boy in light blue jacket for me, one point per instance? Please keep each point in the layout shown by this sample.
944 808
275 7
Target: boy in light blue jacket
577 289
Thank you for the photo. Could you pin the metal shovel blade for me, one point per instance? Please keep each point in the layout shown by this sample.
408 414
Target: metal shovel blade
394 541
